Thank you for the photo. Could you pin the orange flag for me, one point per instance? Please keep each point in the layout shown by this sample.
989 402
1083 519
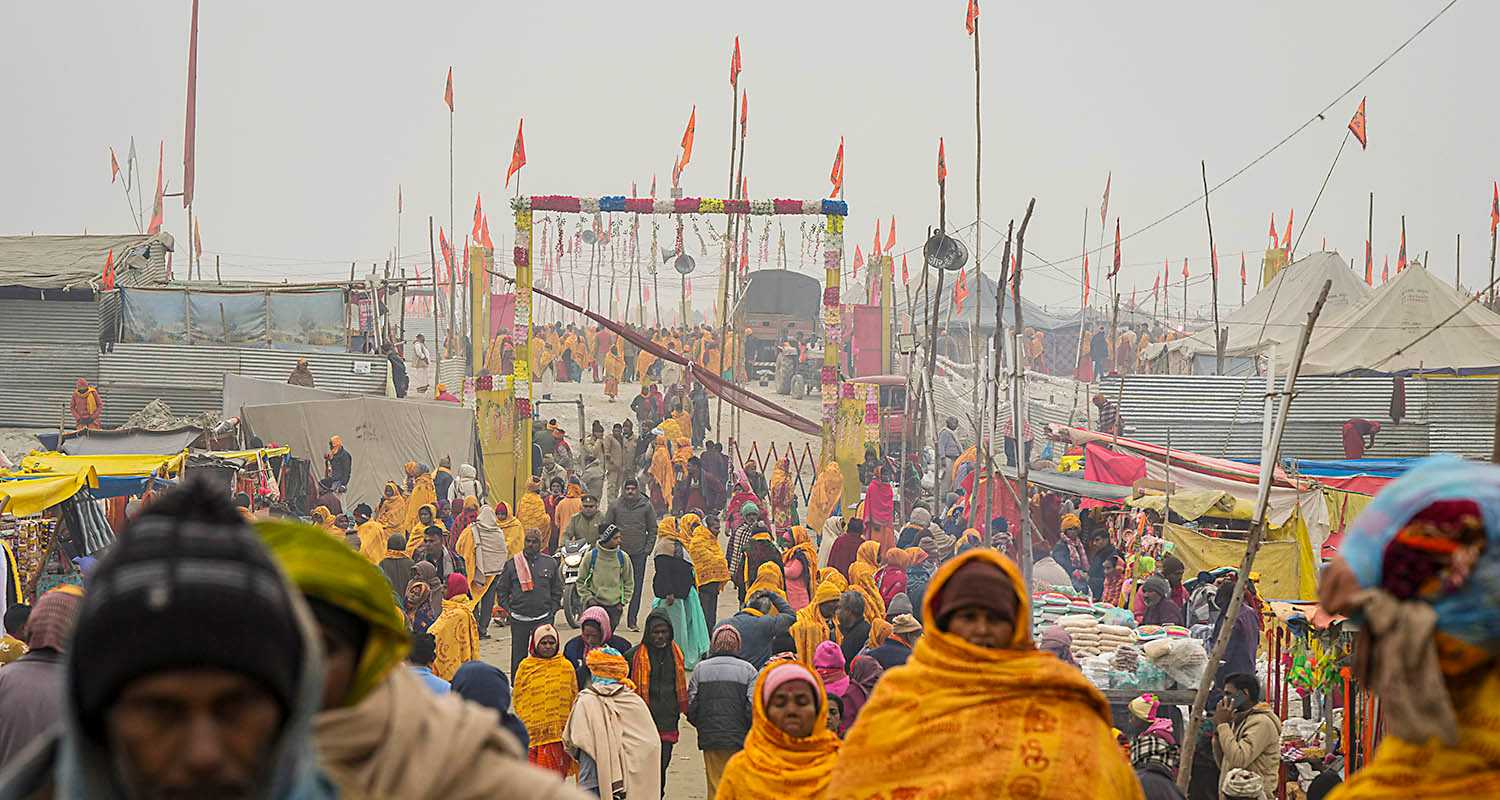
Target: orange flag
890 237
1495 210
448 91
478 215
1275 242
961 290
687 145
156 214
108 279
1184 269
1369 265
836 175
1115 270
1242 270
1213 260
905 278
744 112
518 153
1385 270
447 251
1286 241
971 17
875 248
859 259
1085 280
484 233
942 164
114 166
1401 256
734 64
1357 124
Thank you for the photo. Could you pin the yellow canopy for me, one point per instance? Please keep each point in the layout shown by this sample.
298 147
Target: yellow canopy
33 495
116 465
247 455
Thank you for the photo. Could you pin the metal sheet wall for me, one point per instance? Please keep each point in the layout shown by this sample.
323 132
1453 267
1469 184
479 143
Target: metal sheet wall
1221 416
45 346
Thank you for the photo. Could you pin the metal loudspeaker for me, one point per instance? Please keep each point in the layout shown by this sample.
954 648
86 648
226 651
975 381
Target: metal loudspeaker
589 237
684 264
945 252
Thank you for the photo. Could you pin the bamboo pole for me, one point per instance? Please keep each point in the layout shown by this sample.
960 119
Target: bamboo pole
979 258
1268 464
729 238
1458 262
1213 272
937 300
432 255
1018 411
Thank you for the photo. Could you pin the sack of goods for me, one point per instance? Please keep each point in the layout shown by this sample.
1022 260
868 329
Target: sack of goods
1182 659
1084 630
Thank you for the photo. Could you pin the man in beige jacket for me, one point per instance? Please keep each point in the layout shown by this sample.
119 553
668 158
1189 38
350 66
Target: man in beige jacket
1247 734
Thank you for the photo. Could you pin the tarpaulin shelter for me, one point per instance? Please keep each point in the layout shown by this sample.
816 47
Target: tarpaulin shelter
1414 324
380 434
240 391
44 480
1273 317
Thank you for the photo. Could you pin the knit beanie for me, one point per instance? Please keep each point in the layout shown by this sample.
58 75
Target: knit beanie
187 585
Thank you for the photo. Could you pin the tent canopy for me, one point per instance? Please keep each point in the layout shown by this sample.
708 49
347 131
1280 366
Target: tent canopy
1032 315
1277 313
1362 340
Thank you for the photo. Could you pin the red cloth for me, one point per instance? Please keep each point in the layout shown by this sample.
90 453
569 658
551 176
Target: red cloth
1103 465
1355 431
880 503
842 554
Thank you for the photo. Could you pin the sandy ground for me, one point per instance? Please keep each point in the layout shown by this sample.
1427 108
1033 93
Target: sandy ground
685 777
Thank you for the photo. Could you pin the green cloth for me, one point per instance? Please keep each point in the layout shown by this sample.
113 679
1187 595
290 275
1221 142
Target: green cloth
606 577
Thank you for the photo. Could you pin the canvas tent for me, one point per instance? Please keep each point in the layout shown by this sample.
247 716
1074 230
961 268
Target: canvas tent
380 434
1380 336
1273 317
240 391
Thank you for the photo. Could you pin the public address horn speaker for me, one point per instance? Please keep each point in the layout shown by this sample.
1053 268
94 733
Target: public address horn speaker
684 264
945 252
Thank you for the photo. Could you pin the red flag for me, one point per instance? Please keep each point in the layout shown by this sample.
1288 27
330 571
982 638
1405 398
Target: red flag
1104 205
942 164
1184 270
517 153
448 91
961 290
1115 270
875 248
971 17
156 212
1275 242
1166 273
114 166
687 139
1385 270
1213 260
1243 281
189 136
447 252
108 279
905 277
1085 280
1495 210
398 198
484 233
653 187
744 113
734 64
465 273
859 259
836 175
1369 265
744 187
1357 124
478 215
1401 256
890 236
1286 241
1156 287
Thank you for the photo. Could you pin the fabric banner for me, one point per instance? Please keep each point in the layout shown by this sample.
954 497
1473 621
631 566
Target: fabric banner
306 320
496 421
1277 562
1102 465
311 320
153 316
227 318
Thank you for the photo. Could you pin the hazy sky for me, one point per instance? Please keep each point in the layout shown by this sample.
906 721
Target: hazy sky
311 113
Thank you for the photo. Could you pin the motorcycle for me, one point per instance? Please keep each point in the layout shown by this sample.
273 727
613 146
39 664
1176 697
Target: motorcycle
571 557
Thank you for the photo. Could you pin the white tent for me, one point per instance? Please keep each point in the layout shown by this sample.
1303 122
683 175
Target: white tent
1274 315
1380 335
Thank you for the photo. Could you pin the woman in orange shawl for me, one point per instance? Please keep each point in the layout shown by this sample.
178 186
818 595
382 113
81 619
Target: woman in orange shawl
789 752
532 511
571 504
862 580
545 686
780 491
978 711
663 478
801 567
392 511
814 621
709 564
614 370
455 629
422 492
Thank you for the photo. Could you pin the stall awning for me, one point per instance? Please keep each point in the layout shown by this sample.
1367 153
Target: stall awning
23 497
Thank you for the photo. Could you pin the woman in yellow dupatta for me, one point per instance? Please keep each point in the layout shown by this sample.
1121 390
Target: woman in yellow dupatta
780 491
372 535
511 527
614 370
532 511
455 629
417 535
422 492
323 518
800 565
812 627
682 450
825 494
862 580
392 512
789 752
467 548
545 686
768 579
661 472
978 711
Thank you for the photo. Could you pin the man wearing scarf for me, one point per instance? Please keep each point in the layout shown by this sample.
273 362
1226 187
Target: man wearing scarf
660 677
455 630
87 406
531 589
482 547
612 734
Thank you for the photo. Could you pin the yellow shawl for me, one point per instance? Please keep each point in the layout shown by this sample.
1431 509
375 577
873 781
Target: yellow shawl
862 580
965 721
704 551
825 495
372 539
661 469
614 363
682 447
392 513
457 637
467 549
422 494
768 579
515 534
776 765
532 512
811 627
1401 769
543 697
418 532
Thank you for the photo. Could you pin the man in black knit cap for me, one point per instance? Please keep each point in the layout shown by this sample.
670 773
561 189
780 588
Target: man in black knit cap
192 671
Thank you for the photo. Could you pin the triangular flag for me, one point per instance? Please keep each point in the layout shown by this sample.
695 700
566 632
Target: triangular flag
942 163
836 175
1085 280
744 113
961 290
1156 287
108 279
517 153
1275 240
905 278
1115 270
399 208
1401 256
465 277
890 237
971 16
478 215
448 91
1357 124
130 161
1385 270
875 248
1286 241
1213 260
156 212
734 64
484 233
114 166
1495 209
197 239
1184 269
447 252
1104 205
1242 270
1369 265
859 259
687 140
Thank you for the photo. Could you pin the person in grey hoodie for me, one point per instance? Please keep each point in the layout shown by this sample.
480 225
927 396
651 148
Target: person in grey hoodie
637 521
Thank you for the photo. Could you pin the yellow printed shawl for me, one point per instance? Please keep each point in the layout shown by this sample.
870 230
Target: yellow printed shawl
826 491
774 765
544 692
392 513
457 636
372 539
811 627
422 493
704 551
768 579
961 721
532 512
1402 770
862 580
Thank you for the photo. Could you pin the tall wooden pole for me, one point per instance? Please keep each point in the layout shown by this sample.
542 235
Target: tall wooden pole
978 260
999 349
452 290
1458 262
1492 265
1268 463
729 238
734 276
1213 271
932 335
1018 412
432 256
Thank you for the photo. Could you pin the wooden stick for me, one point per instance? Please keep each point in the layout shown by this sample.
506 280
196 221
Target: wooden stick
1268 464
1213 272
1018 411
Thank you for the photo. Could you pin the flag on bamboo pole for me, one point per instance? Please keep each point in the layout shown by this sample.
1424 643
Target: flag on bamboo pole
1115 270
1401 256
465 272
1357 124
1495 209
836 175
875 248
447 252
1085 280
942 164
1286 241
1184 271
961 290
687 139
971 16
190 135
1166 273
734 64
1369 265
197 239
1156 289
1104 206
1213 260
478 215
1243 281
156 211
517 153
1385 270
398 199
859 259
448 91
744 187
1275 242
108 278
484 233
905 277
130 161
114 166
890 237
744 113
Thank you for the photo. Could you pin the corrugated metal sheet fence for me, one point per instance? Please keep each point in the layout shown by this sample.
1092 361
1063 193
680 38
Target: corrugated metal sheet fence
45 345
1221 416
189 378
